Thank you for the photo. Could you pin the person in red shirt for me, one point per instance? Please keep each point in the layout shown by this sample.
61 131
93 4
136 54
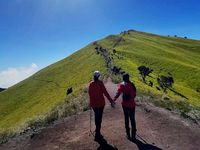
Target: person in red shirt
97 91
128 89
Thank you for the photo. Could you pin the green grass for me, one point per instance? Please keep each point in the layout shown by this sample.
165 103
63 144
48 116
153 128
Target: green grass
36 96
42 97
180 57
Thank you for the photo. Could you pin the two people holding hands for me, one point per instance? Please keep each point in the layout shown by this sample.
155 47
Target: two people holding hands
97 91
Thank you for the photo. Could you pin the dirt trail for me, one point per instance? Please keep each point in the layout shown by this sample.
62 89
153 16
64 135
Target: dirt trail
160 128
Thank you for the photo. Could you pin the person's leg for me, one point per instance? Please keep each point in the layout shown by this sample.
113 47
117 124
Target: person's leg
98 120
126 120
133 123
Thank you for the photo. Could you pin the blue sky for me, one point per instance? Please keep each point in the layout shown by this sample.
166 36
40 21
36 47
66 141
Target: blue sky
36 33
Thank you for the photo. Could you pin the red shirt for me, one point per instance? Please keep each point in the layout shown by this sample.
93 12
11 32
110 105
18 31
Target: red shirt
127 88
96 92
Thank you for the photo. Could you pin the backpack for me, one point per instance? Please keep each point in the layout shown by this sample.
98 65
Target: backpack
127 97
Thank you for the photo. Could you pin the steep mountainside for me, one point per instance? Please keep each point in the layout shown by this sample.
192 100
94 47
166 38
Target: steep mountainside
34 98
41 97
168 56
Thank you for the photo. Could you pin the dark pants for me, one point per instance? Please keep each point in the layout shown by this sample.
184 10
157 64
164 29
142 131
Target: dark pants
129 113
98 112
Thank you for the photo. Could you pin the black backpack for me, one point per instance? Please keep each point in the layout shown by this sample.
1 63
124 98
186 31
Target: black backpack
127 97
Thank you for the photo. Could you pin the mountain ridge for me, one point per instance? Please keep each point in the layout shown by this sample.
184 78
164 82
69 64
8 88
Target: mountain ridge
41 96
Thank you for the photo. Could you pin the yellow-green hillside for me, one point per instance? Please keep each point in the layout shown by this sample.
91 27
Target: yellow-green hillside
178 57
36 96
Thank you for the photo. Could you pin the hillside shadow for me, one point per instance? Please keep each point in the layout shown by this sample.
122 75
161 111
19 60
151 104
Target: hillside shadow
50 81
104 145
179 94
145 146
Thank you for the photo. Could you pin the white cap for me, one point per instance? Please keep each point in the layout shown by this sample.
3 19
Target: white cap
97 74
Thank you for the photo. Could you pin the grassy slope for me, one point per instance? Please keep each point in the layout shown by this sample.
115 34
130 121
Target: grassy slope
38 94
180 57
46 89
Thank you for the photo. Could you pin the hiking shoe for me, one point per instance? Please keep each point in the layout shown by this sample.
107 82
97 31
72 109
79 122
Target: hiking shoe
133 139
98 137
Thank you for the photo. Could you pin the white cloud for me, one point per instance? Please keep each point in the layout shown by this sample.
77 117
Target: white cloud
12 76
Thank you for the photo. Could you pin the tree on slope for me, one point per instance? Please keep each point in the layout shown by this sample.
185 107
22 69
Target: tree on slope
144 72
165 82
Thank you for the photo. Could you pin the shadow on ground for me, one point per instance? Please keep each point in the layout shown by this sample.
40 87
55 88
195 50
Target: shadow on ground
104 145
145 146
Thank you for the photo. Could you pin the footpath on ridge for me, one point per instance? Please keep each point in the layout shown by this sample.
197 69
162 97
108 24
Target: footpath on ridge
157 129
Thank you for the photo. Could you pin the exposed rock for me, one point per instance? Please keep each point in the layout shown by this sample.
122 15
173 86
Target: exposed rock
150 83
147 110
157 88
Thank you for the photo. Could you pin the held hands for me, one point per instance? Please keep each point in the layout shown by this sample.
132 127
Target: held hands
112 103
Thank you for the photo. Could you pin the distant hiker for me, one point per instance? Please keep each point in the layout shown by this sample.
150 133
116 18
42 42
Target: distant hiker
97 91
128 104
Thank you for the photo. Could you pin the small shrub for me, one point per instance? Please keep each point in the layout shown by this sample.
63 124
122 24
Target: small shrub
166 98
52 116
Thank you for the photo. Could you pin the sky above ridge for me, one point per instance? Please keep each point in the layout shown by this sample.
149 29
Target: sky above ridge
37 33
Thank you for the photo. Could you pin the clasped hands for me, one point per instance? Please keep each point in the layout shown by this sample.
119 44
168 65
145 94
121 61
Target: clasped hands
112 103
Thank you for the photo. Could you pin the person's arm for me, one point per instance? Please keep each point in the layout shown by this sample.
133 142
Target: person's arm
106 93
134 90
134 93
119 91
90 93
